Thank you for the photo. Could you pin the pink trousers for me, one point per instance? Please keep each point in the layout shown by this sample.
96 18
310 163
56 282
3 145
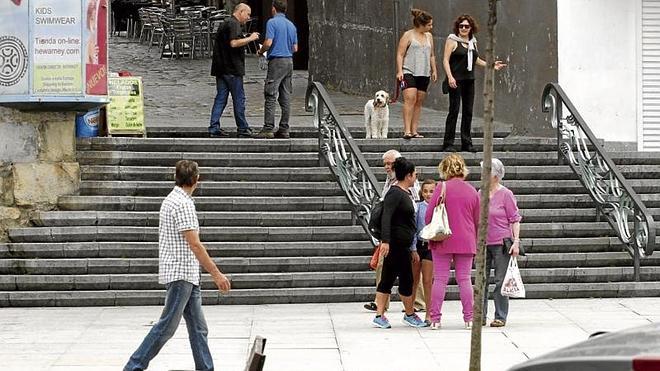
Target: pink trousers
463 268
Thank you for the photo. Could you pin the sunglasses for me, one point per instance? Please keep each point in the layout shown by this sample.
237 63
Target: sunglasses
466 26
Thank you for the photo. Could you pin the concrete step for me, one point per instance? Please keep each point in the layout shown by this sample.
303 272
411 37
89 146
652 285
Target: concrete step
96 249
149 281
211 188
356 294
47 266
145 234
132 203
226 159
64 250
215 145
333 203
530 157
320 174
150 265
291 188
355 124
270 219
220 174
206 219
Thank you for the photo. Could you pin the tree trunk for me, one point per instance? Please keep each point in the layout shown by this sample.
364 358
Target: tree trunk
489 111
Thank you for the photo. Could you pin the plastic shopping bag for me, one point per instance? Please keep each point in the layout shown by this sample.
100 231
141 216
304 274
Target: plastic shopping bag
513 285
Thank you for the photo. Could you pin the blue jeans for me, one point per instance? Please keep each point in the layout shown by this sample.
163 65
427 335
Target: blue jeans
225 85
496 258
182 299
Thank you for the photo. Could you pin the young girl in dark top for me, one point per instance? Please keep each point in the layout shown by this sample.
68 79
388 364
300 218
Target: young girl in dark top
421 255
398 230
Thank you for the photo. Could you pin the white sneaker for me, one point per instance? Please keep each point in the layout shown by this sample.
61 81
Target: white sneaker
435 325
468 325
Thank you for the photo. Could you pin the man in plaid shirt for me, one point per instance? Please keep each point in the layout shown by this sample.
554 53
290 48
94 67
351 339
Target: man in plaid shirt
180 253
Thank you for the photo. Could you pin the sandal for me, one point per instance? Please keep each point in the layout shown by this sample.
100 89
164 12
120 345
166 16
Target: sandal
417 135
407 136
497 323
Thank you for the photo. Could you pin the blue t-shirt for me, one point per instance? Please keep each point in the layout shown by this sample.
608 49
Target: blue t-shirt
284 36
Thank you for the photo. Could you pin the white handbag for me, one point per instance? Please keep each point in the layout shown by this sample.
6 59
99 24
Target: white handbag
438 229
512 286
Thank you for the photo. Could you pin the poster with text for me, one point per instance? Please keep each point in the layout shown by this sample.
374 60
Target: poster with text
95 36
57 50
125 112
14 57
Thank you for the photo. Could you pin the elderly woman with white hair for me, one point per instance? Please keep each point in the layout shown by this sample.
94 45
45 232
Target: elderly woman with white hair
503 223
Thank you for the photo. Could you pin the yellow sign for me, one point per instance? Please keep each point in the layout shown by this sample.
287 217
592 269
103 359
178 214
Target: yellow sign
125 113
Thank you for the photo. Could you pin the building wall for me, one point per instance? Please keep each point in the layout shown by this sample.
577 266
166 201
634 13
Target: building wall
598 64
353 45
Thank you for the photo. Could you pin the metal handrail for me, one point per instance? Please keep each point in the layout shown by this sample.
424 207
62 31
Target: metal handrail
615 198
342 155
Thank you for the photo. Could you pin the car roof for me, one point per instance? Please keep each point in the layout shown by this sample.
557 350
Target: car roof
610 351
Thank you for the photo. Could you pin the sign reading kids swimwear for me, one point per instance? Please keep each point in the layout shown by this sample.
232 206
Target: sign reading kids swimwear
57 50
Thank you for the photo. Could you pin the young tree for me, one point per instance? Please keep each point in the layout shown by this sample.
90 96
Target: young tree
489 111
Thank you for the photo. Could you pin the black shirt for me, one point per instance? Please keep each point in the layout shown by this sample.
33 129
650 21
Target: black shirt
228 60
458 61
398 223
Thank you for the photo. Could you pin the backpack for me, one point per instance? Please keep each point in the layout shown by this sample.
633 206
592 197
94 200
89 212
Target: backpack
375 218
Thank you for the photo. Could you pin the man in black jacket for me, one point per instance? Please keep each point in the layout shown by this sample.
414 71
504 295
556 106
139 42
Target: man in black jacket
228 67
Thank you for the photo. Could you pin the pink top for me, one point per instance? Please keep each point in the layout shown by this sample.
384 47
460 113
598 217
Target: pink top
463 212
502 212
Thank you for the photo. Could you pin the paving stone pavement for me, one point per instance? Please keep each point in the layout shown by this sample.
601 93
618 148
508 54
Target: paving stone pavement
332 337
180 92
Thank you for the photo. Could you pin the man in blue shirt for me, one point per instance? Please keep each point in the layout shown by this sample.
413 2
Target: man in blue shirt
281 42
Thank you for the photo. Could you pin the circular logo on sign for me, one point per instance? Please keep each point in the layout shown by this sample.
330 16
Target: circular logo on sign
13 60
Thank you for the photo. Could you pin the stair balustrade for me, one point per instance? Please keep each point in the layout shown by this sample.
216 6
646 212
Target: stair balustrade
615 198
343 156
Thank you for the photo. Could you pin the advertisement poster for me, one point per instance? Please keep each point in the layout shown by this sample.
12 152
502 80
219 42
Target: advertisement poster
125 113
57 49
14 57
95 36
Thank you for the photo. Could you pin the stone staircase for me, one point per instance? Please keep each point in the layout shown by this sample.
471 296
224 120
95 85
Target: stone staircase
278 223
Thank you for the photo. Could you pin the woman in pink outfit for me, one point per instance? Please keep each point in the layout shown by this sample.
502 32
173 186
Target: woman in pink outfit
462 204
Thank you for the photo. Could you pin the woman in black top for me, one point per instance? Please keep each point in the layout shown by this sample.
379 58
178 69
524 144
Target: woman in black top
458 61
398 229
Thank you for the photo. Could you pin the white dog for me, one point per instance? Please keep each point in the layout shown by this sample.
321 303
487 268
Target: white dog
377 115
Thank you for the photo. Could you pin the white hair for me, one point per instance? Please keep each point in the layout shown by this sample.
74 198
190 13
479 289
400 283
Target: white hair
496 168
392 153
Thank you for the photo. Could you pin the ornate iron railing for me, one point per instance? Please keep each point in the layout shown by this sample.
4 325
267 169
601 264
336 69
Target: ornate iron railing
615 198
342 155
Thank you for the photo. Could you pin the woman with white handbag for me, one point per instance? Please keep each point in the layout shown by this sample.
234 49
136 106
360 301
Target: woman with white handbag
461 207
502 242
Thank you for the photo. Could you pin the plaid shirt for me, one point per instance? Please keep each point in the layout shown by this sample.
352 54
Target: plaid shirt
175 259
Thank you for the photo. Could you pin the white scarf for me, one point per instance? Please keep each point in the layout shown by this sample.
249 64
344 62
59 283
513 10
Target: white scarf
471 46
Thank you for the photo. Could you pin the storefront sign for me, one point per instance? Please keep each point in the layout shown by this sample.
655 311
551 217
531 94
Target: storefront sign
125 112
53 52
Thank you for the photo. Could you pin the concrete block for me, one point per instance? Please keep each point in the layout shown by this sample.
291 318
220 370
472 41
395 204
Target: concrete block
45 282
84 298
113 266
43 183
31 299
140 297
7 283
20 142
57 139
92 282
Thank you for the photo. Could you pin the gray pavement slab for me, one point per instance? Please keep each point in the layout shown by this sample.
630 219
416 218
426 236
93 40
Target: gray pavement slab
333 337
